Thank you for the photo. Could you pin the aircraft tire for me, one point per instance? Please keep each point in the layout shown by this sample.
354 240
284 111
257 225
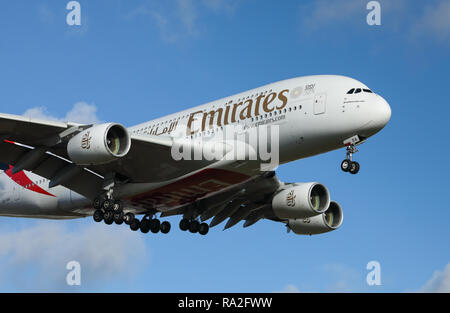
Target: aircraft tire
203 229
184 224
129 217
108 217
98 215
354 168
346 165
165 227
145 226
194 226
118 218
135 224
155 225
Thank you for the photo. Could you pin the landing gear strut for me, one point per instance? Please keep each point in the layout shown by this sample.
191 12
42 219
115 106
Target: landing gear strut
348 165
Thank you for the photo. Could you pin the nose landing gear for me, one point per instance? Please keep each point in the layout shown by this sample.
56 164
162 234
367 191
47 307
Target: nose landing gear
348 165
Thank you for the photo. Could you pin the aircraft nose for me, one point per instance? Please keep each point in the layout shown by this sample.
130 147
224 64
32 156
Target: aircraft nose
381 113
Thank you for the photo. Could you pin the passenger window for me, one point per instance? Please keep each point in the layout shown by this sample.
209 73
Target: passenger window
351 91
358 90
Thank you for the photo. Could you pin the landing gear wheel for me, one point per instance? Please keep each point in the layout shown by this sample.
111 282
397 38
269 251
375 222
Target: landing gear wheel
354 168
97 204
108 204
129 217
108 216
194 226
118 218
184 224
345 165
135 224
203 229
155 225
98 216
117 206
165 227
145 225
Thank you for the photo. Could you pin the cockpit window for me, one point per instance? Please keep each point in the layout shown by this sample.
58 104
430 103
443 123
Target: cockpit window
358 90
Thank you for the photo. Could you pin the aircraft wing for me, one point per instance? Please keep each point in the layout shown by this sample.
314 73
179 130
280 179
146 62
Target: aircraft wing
48 165
29 130
39 146
249 201
150 160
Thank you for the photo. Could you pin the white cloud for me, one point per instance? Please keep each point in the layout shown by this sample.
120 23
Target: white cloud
398 17
227 6
330 13
36 256
181 19
45 13
188 14
435 22
343 278
325 12
81 112
439 282
290 288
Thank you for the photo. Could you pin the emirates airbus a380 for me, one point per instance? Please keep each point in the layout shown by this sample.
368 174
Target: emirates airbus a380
65 170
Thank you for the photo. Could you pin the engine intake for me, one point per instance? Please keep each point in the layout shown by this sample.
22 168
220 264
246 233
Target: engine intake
301 200
319 224
99 144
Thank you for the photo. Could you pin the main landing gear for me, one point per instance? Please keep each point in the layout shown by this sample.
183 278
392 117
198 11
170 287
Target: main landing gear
348 165
148 223
194 226
111 211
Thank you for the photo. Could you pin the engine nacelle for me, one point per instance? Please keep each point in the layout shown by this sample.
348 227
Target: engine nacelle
319 224
99 144
301 200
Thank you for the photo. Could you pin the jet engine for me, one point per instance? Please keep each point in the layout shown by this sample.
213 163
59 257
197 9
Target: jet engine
99 144
301 200
323 223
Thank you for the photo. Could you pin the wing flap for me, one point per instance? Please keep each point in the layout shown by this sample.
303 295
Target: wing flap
86 182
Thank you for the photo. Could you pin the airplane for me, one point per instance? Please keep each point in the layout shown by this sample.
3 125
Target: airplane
66 170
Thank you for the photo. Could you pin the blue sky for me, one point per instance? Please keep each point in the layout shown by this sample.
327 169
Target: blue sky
132 61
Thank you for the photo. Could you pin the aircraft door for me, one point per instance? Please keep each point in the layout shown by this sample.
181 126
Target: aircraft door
16 193
320 101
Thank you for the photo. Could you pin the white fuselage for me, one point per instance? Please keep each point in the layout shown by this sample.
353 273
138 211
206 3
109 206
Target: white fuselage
314 115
